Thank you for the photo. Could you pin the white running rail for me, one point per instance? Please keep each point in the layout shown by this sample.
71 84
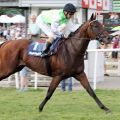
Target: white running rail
95 67
96 57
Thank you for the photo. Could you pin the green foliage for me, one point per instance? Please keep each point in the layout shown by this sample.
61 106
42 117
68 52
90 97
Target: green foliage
76 105
10 11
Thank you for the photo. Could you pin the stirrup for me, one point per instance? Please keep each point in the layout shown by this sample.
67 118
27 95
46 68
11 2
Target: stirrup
44 55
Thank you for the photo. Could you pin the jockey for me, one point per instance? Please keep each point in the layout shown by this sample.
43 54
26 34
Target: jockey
53 23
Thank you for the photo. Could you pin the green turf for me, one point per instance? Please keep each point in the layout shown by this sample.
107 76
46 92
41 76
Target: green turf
76 105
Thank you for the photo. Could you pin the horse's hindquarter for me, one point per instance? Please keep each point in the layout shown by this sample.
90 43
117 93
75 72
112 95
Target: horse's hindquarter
9 57
10 52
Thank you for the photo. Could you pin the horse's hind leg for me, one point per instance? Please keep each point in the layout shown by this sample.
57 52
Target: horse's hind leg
84 81
7 72
54 83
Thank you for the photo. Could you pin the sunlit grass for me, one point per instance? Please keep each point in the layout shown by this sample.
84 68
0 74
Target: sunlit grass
76 105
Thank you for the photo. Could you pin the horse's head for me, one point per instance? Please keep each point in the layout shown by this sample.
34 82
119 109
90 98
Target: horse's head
96 30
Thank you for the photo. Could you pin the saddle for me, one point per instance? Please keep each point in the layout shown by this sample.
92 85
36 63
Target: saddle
36 48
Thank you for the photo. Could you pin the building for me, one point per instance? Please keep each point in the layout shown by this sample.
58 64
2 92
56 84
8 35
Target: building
84 7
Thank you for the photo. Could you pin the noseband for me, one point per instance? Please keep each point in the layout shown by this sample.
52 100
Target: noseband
99 36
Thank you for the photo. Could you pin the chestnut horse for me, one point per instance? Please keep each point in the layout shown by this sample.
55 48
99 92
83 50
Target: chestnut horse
67 62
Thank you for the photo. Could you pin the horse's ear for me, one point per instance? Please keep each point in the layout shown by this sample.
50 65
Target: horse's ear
93 17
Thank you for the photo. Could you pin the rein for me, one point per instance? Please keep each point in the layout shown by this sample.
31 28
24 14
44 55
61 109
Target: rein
74 47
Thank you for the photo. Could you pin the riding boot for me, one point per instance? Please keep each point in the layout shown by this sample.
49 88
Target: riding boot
46 51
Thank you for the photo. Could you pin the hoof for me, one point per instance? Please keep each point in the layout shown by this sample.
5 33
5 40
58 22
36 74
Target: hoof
108 111
40 109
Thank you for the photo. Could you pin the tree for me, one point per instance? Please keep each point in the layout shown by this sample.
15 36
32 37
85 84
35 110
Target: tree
11 11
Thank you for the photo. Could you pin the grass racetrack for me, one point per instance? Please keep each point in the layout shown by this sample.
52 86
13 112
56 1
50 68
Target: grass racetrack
75 105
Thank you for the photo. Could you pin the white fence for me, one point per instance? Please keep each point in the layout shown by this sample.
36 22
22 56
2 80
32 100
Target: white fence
96 59
95 68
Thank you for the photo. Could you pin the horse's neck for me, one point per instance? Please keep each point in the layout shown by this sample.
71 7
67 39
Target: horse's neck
83 43
79 43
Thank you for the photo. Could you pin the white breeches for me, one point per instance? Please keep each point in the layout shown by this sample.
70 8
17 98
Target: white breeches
70 27
44 27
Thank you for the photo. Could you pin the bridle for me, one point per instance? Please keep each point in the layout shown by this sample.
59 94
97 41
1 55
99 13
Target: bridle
99 36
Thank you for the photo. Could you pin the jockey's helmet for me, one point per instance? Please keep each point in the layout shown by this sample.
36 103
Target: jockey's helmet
69 8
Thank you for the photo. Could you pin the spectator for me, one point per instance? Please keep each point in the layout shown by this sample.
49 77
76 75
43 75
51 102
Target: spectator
104 46
114 16
1 30
24 79
8 37
114 46
2 39
17 33
12 32
66 82
5 32
34 30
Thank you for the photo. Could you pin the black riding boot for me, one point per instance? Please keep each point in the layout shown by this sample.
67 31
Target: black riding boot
46 51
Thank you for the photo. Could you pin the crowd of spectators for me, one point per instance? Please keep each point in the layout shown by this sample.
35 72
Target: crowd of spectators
13 31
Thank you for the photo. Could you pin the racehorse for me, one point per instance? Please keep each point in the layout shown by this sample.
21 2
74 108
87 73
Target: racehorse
67 62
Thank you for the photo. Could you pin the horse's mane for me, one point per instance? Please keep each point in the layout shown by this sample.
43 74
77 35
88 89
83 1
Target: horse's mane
75 32
69 37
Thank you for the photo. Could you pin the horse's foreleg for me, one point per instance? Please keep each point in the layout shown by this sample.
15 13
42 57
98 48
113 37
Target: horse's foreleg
54 83
84 81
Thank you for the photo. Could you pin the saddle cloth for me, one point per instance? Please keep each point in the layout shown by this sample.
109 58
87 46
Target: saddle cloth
36 48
